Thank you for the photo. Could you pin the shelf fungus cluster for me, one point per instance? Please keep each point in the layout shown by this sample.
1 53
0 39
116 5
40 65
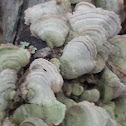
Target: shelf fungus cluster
113 5
83 83
42 81
13 57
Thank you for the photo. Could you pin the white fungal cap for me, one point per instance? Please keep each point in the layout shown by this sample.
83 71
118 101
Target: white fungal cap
48 28
42 81
95 16
8 80
87 114
82 6
78 57
32 14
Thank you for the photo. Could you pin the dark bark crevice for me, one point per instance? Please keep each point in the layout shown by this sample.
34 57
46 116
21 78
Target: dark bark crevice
20 13
23 33
10 10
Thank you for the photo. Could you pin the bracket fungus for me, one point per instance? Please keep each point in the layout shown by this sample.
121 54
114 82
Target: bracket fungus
8 80
76 89
73 88
51 7
13 57
87 114
118 55
87 53
56 62
75 64
77 1
112 5
78 57
117 58
110 108
102 57
90 95
65 100
33 121
110 86
109 21
48 28
83 6
120 111
42 81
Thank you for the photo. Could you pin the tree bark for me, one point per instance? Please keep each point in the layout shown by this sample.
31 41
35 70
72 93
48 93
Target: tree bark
13 22
123 31
11 14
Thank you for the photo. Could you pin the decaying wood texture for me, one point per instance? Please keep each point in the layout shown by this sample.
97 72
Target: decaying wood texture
123 31
11 13
13 22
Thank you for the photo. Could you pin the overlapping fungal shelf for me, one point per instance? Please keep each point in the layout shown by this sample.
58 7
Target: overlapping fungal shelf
83 86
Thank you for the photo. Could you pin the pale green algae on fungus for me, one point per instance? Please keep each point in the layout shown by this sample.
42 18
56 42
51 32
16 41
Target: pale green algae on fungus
13 57
56 62
90 95
42 81
65 100
120 110
25 111
112 5
50 113
33 121
8 80
118 56
110 108
110 86
87 114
